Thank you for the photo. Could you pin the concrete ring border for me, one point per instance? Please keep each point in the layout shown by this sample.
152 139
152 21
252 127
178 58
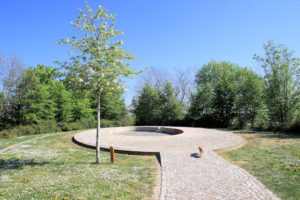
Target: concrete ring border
159 129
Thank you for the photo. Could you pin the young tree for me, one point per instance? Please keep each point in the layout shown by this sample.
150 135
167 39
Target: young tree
282 92
100 59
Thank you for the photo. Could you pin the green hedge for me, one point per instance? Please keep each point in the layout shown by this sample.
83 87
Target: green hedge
52 126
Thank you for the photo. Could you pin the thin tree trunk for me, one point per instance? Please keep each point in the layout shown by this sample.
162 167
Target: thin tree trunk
98 133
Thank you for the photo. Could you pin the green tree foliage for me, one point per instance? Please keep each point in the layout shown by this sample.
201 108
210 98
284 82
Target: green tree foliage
47 98
65 104
157 106
146 106
82 105
225 92
282 91
170 109
40 94
113 105
248 97
39 103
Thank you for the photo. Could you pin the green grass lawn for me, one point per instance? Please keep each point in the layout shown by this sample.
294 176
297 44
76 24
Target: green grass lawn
272 158
7 142
11 141
55 168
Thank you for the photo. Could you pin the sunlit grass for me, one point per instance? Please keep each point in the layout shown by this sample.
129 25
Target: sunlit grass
274 159
55 168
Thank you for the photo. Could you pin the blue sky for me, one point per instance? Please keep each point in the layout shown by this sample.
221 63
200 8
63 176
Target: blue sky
166 34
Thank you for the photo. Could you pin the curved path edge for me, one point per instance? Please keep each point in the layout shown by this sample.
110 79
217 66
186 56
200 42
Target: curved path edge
117 149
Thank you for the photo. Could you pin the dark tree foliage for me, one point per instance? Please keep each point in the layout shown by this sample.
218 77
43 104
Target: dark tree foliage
39 103
113 105
169 107
155 106
43 94
226 95
146 107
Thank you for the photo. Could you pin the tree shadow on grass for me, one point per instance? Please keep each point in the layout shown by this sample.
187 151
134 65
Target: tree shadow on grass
243 131
281 136
14 163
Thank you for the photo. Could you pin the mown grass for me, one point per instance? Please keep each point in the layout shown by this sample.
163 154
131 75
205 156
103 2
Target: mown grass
7 142
273 158
55 168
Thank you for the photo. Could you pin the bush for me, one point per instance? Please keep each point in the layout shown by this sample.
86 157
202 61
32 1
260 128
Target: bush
207 121
235 124
4 134
78 125
48 126
106 123
88 123
295 128
51 126
261 121
127 121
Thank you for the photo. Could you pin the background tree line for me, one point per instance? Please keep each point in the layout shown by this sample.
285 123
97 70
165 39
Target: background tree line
226 95
223 94
42 98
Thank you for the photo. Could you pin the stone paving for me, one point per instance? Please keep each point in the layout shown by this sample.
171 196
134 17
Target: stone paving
186 174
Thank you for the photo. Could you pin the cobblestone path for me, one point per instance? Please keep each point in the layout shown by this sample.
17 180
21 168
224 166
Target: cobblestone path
185 175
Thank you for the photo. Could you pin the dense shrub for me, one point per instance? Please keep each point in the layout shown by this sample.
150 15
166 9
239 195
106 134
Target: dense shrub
295 128
78 125
51 126
125 121
106 123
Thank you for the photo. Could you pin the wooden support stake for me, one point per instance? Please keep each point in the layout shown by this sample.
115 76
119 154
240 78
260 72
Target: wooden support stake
112 155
